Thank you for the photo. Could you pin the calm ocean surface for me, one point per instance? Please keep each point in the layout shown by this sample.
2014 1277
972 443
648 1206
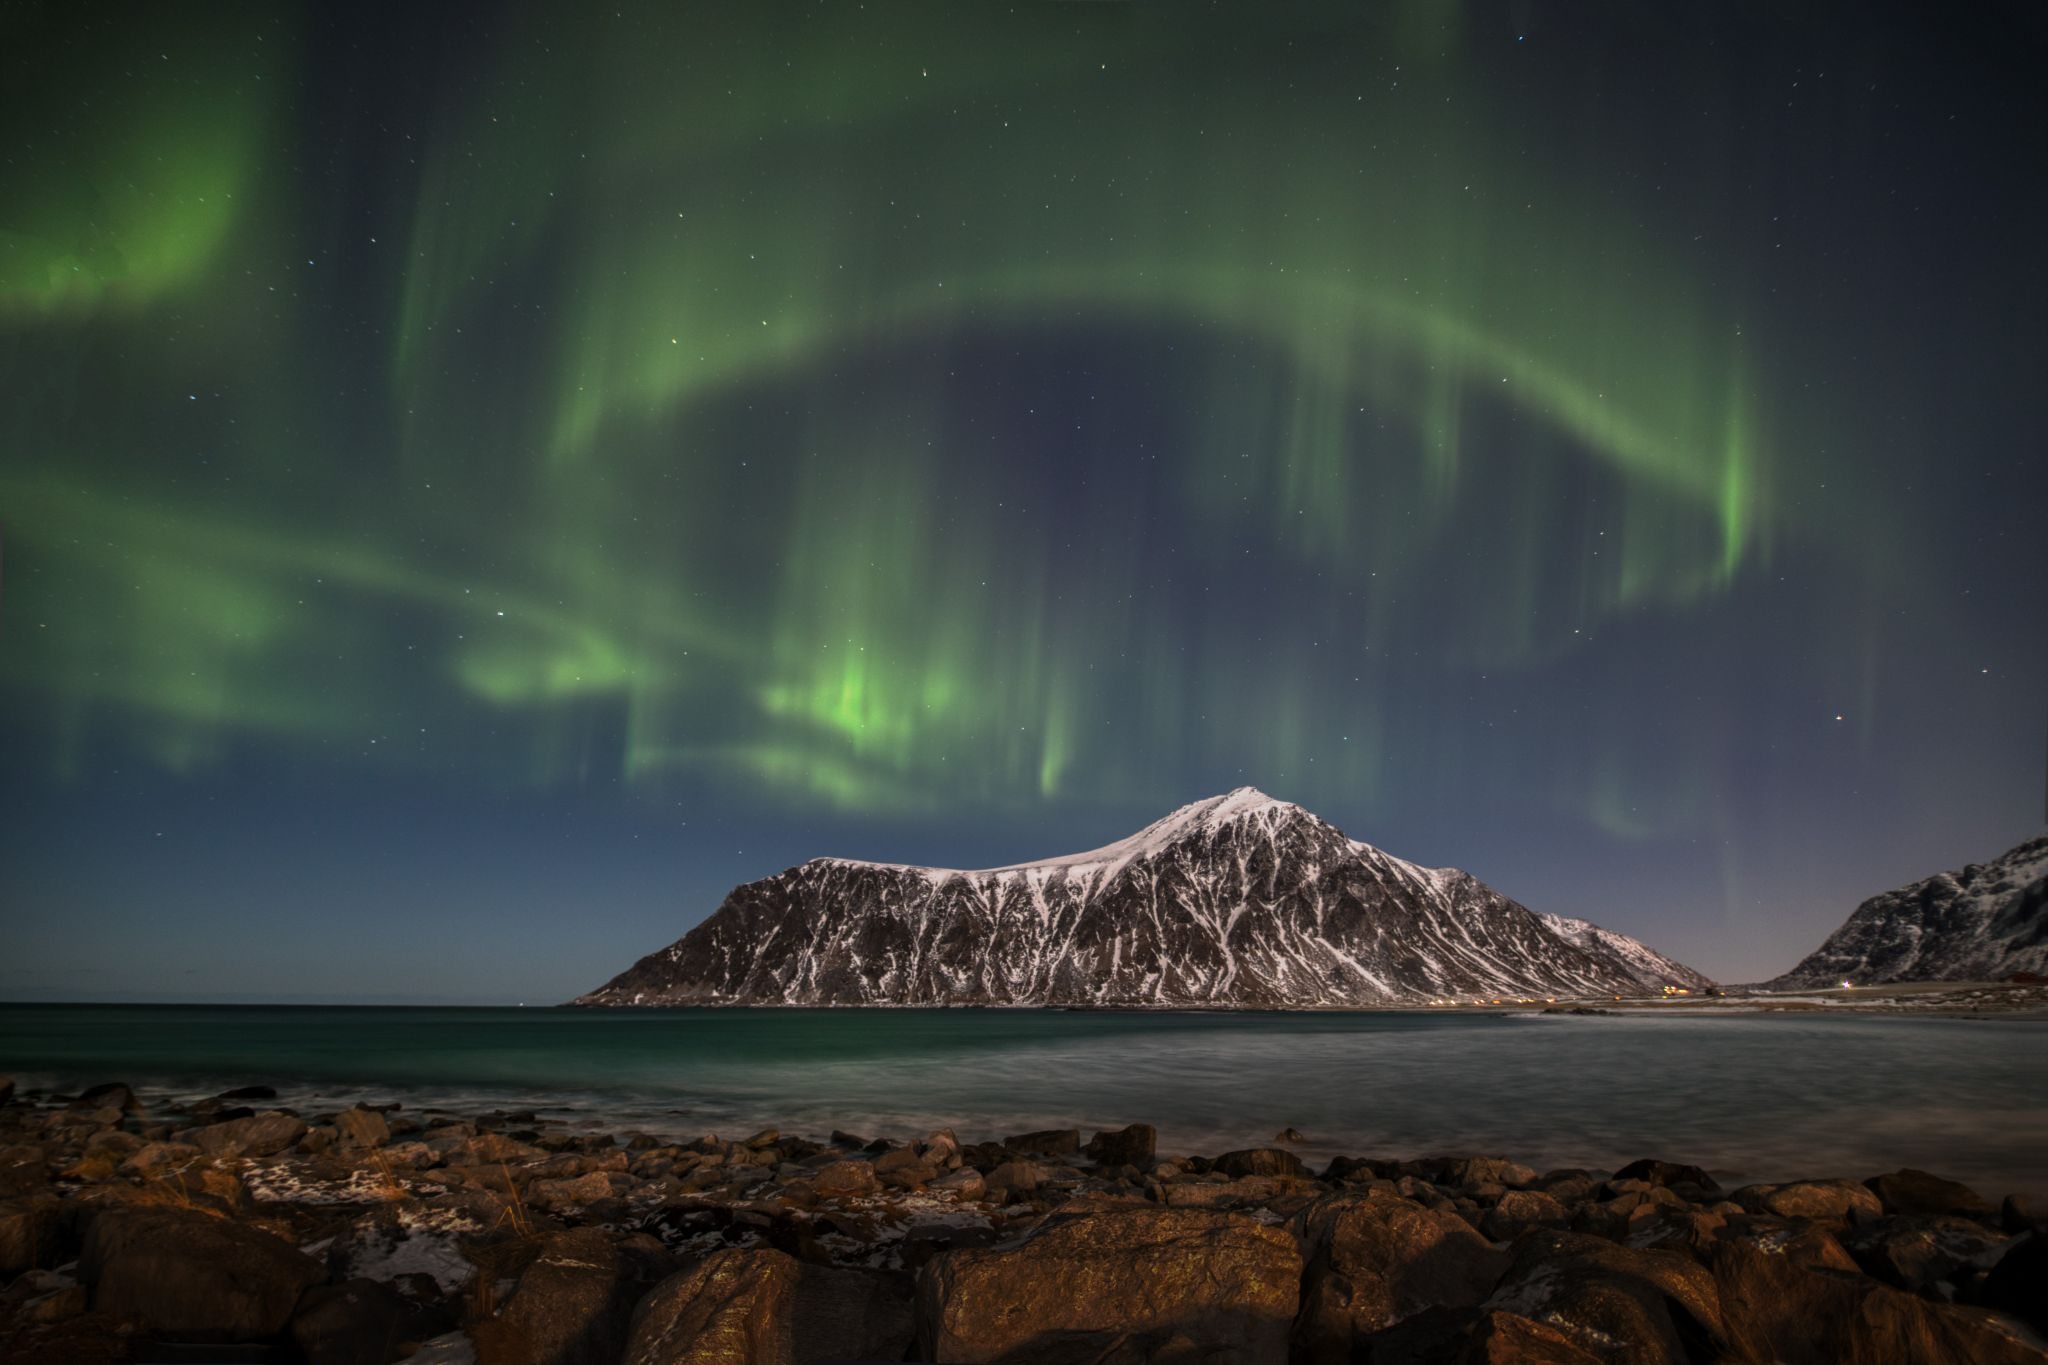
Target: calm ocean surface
1752 1097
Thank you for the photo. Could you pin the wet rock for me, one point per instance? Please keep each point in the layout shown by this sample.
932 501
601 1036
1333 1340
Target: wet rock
1798 1298
491 1149
2015 1216
761 1307
1290 1135
1621 1304
358 1323
904 1169
1224 1284
249 1092
574 1303
362 1128
1472 1170
1520 1209
2018 1284
1919 1254
1358 1168
1252 1191
111 1095
159 1160
1824 1201
23 1169
1510 1339
257 1135
1375 1261
1261 1161
582 1189
32 1234
846 1179
1917 1193
1014 1179
185 1273
6 1089
1132 1146
1669 1173
1050 1142
965 1183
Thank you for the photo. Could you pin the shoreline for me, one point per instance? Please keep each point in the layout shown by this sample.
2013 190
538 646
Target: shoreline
445 1235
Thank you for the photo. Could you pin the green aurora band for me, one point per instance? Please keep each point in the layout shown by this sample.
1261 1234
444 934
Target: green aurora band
620 432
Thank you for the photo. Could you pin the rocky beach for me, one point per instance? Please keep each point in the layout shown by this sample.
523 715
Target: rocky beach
138 1228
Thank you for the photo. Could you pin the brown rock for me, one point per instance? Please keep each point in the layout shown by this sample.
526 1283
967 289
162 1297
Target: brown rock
1261 1161
1669 1173
1624 1305
1014 1179
2018 1284
1509 1339
765 1308
31 1234
358 1323
1797 1298
1253 1191
362 1128
1050 1142
185 1273
22 1169
1374 1261
582 1189
965 1183
1519 1209
1132 1146
573 1305
904 1169
1916 1192
1824 1201
257 1135
846 1179
1224 1283
160 1160
1918 1254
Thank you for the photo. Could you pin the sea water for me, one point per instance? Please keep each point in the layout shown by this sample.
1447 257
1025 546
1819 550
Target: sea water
1749 1096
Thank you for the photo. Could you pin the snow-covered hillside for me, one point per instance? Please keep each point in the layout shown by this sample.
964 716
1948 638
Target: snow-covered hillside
1983 923
1237 900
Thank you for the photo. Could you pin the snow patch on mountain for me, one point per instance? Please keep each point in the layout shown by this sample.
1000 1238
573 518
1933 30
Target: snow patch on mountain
1982 923
1238 900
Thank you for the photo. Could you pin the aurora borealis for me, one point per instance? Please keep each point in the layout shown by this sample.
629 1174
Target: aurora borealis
477 482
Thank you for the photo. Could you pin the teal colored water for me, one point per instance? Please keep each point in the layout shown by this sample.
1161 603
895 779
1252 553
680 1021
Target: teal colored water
1760 1096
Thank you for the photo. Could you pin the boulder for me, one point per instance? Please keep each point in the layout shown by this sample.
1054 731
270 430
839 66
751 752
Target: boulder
1510 1339
1919 1254
1132 1146
904 1169
23 1168
1919 1194
249 1092
257 1135
1260 1161
846 1179
573 1304
110 1095
6 1089
1013 1180
965 1183
760 1307
1050 1142
1472 1170
1824 1201
362 1128
32 1233
1621 1304
160 1160
582 1189
2018 1284
1374 1261
1668 1173
358 1323
1797 1298
1222 1287
184 1273
1519 1209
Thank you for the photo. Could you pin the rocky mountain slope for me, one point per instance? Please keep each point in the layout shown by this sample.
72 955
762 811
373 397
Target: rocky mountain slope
1239 900
1983 923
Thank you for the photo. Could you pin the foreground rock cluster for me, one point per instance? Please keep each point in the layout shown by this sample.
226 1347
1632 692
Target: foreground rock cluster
228 1230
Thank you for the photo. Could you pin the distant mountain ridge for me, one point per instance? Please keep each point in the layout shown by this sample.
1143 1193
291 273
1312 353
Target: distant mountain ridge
1983 923
1239 900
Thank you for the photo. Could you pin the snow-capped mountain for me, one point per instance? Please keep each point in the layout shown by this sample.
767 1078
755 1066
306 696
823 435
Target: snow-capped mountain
1239 900
1980 924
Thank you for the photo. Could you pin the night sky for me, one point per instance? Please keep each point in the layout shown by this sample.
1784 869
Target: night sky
478 483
